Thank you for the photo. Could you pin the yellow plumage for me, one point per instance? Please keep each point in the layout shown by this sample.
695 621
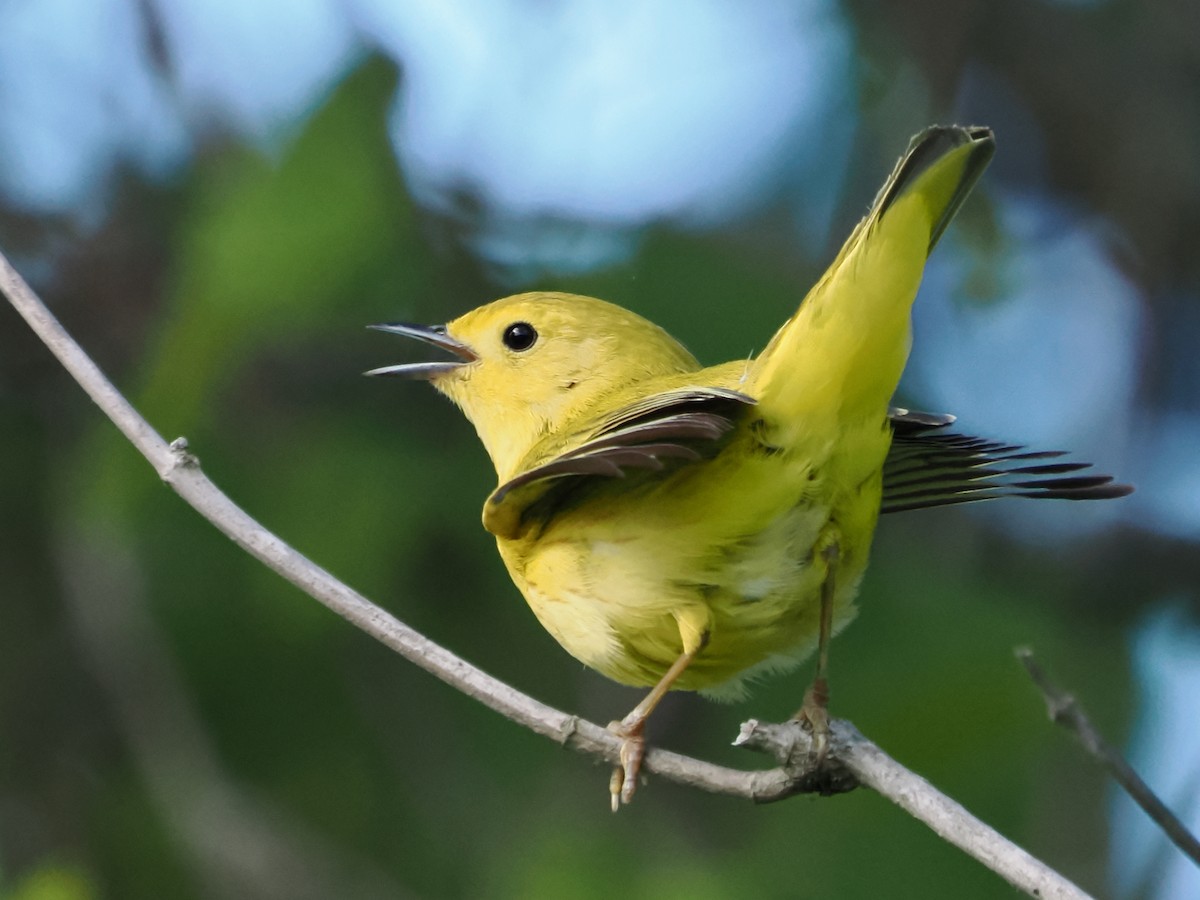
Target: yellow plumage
657 514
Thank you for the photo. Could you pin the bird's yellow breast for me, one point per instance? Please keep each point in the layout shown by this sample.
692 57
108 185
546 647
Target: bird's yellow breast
730 545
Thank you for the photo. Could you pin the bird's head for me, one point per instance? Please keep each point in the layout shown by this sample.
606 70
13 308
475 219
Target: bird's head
539 363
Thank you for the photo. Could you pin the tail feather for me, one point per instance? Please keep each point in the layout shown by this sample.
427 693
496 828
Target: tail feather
842 353
926 151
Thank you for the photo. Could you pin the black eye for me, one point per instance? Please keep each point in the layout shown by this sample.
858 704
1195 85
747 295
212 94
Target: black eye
519 336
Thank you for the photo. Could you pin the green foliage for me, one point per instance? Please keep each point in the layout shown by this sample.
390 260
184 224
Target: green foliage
52 881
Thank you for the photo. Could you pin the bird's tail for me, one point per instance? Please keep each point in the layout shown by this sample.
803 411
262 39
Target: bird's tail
842 353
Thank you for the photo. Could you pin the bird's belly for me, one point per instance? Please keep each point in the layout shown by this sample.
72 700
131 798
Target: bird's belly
613 596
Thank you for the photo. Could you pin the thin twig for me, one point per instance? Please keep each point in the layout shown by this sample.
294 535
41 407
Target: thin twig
863 760
1064 710
912 793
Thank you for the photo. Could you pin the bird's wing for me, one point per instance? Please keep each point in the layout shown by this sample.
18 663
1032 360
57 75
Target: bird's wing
929 466
653 434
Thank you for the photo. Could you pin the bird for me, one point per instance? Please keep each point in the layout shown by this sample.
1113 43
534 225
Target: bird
675 526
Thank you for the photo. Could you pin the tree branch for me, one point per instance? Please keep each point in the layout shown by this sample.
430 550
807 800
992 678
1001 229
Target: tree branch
855 759
1064 710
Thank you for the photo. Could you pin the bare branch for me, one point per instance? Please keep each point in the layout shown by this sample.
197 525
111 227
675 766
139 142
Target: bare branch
854 757
1064 710
912 793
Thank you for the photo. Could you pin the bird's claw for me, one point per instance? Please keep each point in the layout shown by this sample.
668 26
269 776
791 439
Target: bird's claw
624 780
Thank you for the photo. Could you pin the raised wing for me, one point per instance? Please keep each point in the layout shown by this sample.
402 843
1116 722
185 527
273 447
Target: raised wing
928 466
663 430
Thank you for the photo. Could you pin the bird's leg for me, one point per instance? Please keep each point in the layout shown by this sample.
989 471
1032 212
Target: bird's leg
693 628
815 709
631 730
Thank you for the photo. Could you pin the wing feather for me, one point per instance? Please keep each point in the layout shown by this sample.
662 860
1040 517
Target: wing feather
929 467
663 430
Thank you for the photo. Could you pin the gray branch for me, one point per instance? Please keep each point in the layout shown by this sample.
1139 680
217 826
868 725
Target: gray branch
1063 709
855 759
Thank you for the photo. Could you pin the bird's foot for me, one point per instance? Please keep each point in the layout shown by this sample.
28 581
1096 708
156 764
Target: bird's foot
624 780
814 715
824 774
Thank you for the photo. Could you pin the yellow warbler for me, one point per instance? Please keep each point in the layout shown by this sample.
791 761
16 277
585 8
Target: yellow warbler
684 527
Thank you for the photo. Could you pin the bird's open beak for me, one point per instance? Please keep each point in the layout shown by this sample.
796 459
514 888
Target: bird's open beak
430 334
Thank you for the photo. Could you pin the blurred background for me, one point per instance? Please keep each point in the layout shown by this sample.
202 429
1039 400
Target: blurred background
216 197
